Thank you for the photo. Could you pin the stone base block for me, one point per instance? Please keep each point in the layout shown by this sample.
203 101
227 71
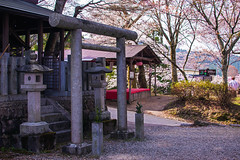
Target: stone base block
34 128
97 138
40 142
105 115
122 135
139 126
109 126
77 149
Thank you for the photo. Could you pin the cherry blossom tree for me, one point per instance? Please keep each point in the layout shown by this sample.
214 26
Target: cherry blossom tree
220 27
171 27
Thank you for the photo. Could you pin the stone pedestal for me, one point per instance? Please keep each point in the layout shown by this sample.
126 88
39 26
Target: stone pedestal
99 96
109 126
34 100
77 149
30 128
36 136
97 138
139 126
104 115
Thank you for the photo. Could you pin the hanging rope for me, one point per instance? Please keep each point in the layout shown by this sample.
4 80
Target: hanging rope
5 50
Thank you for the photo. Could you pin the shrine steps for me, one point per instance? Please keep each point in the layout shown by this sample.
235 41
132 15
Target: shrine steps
57 119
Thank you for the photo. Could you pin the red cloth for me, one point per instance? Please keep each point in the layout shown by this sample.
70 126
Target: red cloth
112 94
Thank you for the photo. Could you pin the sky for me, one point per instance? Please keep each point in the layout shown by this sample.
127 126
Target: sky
68 9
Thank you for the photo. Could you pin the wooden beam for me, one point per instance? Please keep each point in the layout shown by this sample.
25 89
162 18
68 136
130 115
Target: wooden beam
40 41
62 44
5 31
66 22
143 58
27 39
35 30
17 37
100 48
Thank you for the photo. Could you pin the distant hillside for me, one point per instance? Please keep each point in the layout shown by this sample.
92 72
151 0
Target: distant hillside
203 61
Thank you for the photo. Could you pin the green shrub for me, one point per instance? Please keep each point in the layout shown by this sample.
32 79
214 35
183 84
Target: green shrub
220 91
138 108
182 90
203 90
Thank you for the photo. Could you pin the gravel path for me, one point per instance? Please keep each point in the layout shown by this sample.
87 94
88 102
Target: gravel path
148 119
166 142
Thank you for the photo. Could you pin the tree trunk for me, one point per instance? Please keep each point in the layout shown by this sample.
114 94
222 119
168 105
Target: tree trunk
174 68
51 43
134 81
224 63
53 36
141 77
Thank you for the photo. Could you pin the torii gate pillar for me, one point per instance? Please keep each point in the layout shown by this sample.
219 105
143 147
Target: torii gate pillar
77 146
122 132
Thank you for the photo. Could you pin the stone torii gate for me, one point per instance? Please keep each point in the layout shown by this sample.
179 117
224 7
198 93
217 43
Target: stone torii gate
77 26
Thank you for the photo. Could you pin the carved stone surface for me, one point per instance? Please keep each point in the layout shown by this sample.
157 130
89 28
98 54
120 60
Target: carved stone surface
139 125
29 128
77 149
97 138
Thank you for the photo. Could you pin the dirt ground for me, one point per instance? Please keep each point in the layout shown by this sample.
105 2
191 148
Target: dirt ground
150 104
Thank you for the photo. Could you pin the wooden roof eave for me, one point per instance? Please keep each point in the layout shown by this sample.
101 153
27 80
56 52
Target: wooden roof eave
25 8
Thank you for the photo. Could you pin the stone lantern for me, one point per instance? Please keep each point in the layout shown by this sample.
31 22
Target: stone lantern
33 84
99 83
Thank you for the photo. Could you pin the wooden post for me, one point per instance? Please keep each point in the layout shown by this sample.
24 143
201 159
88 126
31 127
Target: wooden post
150 78
76 88
5 32
69 74
155 80
40 41
4 74
13 75
21 62
62 44
130 82
27 39
121 86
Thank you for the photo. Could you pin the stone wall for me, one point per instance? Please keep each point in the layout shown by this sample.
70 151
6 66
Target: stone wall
12 114
88 107
10 79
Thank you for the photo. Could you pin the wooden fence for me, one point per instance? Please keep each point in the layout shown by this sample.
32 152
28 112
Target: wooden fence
10 79
57 81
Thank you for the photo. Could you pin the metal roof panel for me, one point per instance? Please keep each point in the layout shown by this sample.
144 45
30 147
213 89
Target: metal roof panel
26 7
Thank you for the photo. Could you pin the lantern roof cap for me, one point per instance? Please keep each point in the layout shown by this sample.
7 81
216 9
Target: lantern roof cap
33 66
98 69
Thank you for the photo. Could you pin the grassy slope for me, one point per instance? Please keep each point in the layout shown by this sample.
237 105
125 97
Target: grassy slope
208 111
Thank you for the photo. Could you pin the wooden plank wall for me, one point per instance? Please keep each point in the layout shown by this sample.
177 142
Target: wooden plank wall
10 79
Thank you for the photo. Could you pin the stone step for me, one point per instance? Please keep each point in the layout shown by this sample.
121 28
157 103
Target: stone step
52 117
48 109
63 136
60 125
